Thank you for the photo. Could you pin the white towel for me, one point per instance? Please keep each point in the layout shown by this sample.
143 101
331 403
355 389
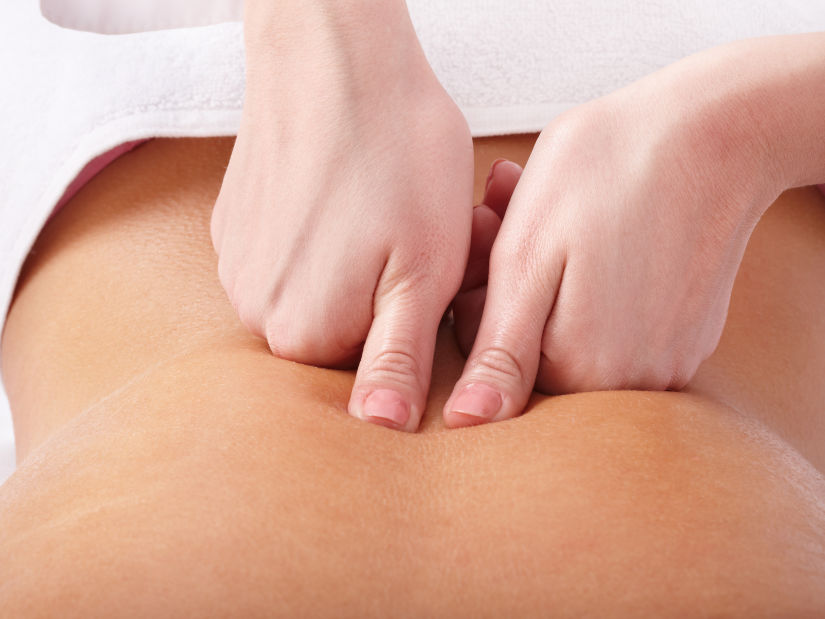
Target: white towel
71 95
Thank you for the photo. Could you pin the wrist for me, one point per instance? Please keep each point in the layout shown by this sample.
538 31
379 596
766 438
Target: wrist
792 104
746 113
770 93
298 38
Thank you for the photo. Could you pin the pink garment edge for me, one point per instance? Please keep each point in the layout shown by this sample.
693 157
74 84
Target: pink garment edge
95 167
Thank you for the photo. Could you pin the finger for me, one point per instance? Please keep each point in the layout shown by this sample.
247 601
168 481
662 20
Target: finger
501 182
484 230
469 302
468 307
393 377
501 369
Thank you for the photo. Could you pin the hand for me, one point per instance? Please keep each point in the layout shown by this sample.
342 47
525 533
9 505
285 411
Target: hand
614 265
343 223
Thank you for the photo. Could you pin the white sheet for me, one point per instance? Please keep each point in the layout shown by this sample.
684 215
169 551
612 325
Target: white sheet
6 440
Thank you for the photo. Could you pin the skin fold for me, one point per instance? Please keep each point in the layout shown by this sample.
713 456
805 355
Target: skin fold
170 465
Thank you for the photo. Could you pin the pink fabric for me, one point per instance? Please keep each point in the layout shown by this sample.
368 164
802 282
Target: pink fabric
92 169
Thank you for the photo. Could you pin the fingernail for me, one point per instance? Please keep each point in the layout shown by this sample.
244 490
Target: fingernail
386 405
477 400
492 171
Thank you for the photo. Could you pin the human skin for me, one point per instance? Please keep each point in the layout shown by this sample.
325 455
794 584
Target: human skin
319 190
616 259
170 465
613 268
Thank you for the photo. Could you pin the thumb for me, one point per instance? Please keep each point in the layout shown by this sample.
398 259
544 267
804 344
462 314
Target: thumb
393 377
501 369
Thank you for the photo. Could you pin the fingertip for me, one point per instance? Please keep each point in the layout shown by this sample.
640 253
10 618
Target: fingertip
454 419
473 404
492 173
386 407
501 369
393 376
501 183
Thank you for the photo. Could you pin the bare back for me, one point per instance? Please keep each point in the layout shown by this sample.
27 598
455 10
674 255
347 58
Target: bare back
169 464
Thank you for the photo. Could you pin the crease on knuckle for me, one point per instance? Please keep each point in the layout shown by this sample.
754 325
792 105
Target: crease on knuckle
395 365
501 362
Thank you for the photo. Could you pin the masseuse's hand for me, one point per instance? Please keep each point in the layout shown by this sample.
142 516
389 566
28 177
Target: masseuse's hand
344 217
615 261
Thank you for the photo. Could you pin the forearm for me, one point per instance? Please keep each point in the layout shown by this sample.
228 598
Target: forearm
749 114
330 34
345 13
768 94
787 88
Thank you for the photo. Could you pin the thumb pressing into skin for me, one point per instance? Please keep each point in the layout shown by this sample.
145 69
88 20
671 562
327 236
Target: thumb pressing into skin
501 367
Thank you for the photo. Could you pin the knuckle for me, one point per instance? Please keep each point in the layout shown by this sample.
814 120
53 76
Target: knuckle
411 277
497 362
315 330
288 340
682 372
394 365
678 381
337 347
611 372
250 315
620 372
651 374
283 341
397 278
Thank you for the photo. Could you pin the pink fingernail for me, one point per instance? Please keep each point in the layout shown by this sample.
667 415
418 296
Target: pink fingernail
478 400
386 405
492 171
